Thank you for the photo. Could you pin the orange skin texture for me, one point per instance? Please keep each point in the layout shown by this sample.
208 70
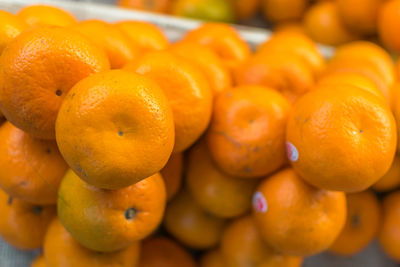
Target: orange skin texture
39 261
353 79
218 75
216 192
145 36
245 9
103 220
284 72
115 128
295 43
391 180
242 246
32 169
187 90
300 219
223 39
62 250
10 27
117 45
212 258
173 174
289 26
190 225
389 24
360 16
356 119
159 6
283 10
164 252
246 137
379 59
364 67
37 69
362 224
398 68
389 233
323 24
396 108
23 225
41 15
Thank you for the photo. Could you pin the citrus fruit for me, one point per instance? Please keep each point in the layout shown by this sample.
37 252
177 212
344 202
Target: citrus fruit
61 249
189 224
187 90
172 174
246 134
334 132
115 128
22 224
212 10
389 23
39 15
296 218
32 169
391 180
216 192
389 233
362 224
110 220
37 69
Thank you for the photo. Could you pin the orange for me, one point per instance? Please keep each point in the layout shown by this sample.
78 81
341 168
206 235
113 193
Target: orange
379 59
283 10
389 233
282 71
37 69
349 78
31 169
145 36
216 192
208 10
245 9
223 39
115 128
110 220
10 27
164 252
242 246
398 68
296 218
334 132
362 224
246 137
117 45
22 224
391 180
205 59
212 258
289 26
360 16
389 23
322 22
39 15
364 67
191 225
39 261
62 250
396 108
295 43
172 174
161 6
187 90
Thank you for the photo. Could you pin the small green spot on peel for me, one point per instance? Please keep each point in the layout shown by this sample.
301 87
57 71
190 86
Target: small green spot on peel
130 213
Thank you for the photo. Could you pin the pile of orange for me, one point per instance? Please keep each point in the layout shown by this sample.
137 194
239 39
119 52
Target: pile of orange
331 22
121 149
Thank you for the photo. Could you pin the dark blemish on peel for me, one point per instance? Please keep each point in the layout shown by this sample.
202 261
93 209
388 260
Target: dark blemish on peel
58 92
361 131
37 209
130 214
355 220
48 151
9 201
120 133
